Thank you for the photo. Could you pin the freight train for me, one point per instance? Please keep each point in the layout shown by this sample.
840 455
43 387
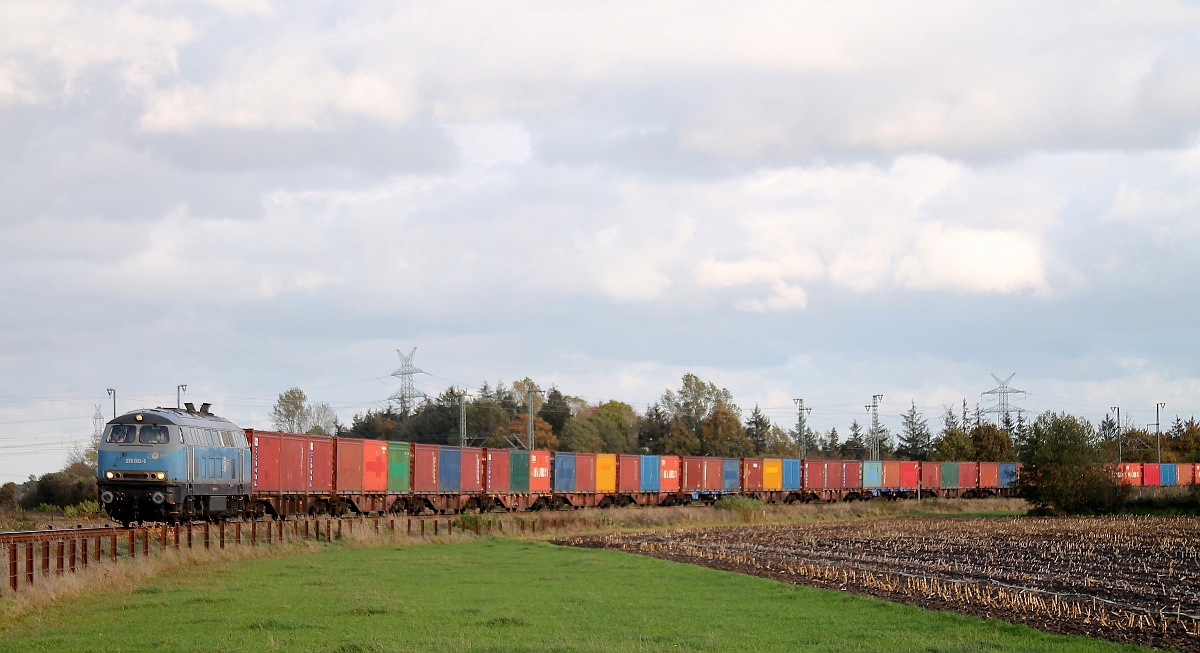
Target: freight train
183 464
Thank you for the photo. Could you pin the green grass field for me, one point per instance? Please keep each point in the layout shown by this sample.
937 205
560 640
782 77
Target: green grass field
496 595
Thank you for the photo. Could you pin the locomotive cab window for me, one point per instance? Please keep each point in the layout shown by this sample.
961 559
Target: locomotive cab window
153 434
122 434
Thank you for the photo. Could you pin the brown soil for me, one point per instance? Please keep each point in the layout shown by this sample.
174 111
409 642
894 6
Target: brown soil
1125 579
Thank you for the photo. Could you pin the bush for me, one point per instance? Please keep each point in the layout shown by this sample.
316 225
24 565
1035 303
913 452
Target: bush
46 507
1063 470
737 504
84 510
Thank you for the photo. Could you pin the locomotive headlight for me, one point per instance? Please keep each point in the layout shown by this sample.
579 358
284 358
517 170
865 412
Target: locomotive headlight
161 475
108 474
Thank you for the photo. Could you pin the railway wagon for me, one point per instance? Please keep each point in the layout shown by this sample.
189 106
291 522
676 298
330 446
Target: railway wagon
291 473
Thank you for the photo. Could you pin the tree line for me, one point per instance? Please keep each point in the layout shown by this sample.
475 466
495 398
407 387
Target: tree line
700 418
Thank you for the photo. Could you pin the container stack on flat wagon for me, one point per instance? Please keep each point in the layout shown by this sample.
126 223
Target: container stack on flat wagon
316 474
291 473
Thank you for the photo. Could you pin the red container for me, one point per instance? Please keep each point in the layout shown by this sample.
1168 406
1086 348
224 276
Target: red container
1151 474
471 471
852 475
374 465
835 474
752 474
712 473
349 458
668 477
968 475
815 474
425 468
931 475
629 477
585 472
1131 473
264 460
320 450
989 475
496 477
539 471
694 473
910 474
293 463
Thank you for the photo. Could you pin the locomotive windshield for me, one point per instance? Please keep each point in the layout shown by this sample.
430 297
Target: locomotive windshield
151 434
133 434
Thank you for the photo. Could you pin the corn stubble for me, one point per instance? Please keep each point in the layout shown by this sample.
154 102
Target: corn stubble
1125 579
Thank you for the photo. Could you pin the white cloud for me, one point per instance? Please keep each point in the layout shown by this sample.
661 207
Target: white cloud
785 297
972 260
488 144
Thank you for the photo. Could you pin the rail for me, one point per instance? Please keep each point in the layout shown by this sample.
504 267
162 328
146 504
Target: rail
34 557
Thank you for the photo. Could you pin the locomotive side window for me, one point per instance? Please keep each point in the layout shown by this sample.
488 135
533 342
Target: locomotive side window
121 434
153 434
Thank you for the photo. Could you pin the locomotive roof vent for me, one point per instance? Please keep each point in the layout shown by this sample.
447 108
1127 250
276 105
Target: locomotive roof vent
204 408
191 408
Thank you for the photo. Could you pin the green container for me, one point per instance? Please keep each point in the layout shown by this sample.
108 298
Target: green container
949 475
518 471
399 464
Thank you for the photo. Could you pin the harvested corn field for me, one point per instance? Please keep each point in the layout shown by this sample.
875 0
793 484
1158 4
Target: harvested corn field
1126 579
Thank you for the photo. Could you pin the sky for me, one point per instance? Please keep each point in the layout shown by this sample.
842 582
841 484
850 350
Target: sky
826 201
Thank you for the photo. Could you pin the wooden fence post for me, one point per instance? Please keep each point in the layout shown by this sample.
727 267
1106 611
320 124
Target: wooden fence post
29 563
12 566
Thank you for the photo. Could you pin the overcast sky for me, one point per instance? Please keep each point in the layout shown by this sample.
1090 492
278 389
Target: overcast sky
827 201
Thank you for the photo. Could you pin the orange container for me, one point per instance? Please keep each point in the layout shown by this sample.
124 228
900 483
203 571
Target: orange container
668 480
374 465
1131 473
1184 473
606 472
989 475
539 471
772 474
891 474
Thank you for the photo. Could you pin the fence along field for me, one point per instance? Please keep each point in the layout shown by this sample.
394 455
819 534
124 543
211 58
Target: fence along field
1126 579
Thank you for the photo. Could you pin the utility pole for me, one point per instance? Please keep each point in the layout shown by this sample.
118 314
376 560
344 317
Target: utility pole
529 415
112 392
801 428
1120 456
462 419
179 390
1158 429
873 408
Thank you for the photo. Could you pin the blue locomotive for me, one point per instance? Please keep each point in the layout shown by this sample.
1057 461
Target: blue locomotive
173 465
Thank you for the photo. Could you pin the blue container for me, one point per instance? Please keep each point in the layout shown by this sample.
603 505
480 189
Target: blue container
872 474
563 465
1008 474
449 469
731 474
1169 474
649 474
791 474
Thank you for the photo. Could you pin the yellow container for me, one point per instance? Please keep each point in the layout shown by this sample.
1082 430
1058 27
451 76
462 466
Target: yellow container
772 474
606 472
